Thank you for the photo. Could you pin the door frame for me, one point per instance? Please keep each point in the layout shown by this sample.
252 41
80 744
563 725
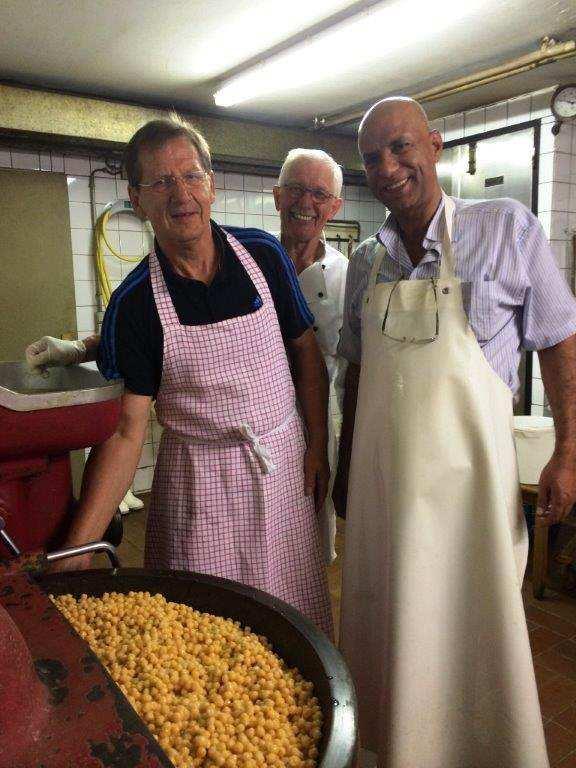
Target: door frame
474 139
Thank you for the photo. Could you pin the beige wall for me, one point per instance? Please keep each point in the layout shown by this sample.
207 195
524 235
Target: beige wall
37 285
88 120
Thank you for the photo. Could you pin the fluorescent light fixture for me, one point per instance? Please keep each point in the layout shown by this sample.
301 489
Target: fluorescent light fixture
360 39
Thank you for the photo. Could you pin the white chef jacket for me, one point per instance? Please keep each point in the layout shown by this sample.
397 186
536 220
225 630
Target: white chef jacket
323 284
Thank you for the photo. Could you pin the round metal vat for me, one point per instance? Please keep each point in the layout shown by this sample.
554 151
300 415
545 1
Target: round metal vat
294 638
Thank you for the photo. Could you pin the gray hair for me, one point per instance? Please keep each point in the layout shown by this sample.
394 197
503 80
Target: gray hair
317 155
156 134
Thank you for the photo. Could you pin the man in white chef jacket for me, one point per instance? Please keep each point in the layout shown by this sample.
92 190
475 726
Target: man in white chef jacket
307 196
439 303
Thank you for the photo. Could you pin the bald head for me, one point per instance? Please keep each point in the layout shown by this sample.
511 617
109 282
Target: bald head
400 152
386 109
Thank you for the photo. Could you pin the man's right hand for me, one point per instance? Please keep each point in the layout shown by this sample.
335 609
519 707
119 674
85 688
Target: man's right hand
49 351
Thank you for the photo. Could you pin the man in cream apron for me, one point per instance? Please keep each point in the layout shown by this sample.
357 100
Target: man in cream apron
307 197
433 624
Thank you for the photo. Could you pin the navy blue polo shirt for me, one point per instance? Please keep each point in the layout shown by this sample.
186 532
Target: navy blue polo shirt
131 344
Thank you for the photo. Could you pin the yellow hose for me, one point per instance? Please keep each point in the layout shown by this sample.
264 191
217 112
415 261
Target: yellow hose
101 240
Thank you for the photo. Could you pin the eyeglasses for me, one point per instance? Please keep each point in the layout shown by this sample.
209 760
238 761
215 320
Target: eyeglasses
297 191
412 339
166 183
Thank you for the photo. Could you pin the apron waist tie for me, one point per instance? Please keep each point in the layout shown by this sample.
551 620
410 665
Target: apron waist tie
261 452
247 435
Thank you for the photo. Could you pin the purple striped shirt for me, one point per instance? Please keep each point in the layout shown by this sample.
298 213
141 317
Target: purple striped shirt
514 294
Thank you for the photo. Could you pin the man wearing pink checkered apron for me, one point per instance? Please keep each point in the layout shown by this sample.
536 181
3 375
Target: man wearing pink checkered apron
213 326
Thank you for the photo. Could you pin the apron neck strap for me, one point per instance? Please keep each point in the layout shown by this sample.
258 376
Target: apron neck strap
376 264
447 263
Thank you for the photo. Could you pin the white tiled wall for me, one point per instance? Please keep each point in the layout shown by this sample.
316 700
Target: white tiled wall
241 200
557 213
556 177
247 201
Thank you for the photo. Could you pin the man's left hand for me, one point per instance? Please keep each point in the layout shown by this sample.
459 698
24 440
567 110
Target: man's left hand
557 489
316 476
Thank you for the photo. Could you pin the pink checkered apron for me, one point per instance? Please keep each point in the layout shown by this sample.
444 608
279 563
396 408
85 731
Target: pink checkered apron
228 493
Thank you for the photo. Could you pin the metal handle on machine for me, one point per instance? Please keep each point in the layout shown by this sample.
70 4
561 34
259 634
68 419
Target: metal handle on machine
7 540
62 554
84 549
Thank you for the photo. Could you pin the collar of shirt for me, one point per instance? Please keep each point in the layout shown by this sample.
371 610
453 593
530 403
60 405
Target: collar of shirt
226 261
321 243
389 236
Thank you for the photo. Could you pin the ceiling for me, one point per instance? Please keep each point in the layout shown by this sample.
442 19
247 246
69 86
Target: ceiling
178 51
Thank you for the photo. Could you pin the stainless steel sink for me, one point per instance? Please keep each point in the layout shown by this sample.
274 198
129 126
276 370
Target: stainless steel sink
21 390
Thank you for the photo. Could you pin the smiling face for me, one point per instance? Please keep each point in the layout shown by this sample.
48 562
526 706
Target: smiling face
400 154
303 218
179 216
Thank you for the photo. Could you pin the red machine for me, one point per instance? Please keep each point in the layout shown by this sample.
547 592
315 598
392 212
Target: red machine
42 419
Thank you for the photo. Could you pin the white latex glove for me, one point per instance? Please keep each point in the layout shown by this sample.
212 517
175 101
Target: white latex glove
49 351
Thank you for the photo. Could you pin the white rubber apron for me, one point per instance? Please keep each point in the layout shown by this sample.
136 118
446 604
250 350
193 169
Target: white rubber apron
433 625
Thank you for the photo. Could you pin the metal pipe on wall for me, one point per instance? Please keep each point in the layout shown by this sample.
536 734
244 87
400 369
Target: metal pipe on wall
549 52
